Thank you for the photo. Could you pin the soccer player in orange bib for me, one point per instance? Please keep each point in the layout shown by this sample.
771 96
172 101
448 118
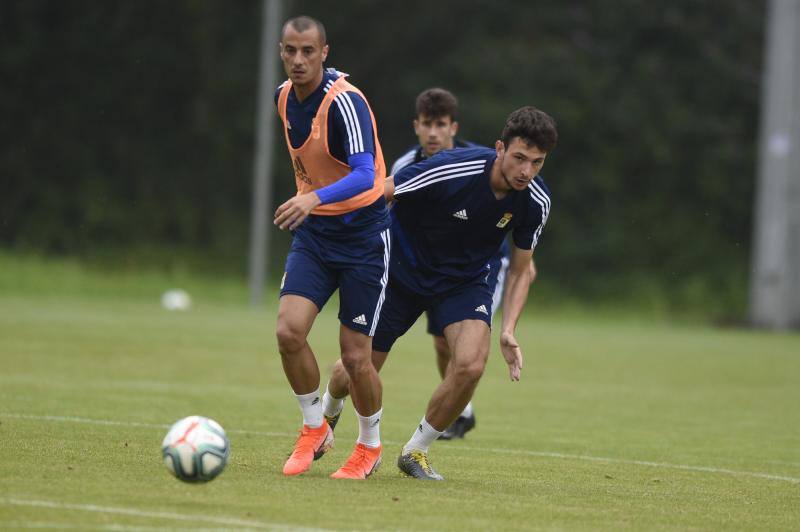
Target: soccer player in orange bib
340 241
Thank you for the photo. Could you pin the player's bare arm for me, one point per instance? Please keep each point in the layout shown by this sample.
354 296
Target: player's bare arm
294 211
519 278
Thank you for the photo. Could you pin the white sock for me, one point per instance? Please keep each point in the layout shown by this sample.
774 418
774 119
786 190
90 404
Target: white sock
422 438
467 412
369 429
330 404
311 407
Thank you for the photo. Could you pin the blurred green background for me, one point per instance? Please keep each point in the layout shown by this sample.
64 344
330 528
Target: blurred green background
127 131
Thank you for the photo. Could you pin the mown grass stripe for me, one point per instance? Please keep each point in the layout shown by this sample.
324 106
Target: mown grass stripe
542 454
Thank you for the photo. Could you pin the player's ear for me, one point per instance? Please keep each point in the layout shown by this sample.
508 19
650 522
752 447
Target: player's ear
325 50
416 126
499 147
454 128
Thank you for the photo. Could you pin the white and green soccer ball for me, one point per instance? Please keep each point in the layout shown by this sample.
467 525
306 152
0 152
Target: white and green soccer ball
196 449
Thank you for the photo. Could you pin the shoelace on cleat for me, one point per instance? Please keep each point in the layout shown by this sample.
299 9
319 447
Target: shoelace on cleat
358 457
422 459
307 443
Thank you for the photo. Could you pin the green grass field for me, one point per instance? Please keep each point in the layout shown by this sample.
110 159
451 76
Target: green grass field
617 423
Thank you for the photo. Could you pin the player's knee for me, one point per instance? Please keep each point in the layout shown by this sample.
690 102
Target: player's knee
354 362
290 339
338 369
339 380
469 371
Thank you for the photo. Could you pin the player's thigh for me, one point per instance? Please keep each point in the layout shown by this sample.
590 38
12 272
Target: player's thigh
362 283
400 311
296 315
466 316
308 273
469 342
472 302
355 346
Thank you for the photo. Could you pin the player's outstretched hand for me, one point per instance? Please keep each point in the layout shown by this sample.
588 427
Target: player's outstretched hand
293 212
512 353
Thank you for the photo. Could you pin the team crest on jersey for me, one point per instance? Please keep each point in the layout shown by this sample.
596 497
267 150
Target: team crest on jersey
504 220
300 171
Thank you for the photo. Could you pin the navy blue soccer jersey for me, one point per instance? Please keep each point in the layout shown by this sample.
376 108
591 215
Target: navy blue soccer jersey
350 132
417 154
447 223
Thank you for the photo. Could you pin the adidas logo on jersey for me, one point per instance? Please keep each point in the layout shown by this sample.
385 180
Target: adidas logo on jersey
300 170
461 215
360 320
482 308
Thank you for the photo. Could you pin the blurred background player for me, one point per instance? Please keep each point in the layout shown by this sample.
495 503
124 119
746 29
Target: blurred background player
341 240
436 126
453 213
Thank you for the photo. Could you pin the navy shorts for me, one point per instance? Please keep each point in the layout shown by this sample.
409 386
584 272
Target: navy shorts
403 306
496 281
316 266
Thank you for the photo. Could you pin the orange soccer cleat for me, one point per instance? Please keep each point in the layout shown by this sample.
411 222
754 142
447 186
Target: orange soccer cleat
312 444
362 463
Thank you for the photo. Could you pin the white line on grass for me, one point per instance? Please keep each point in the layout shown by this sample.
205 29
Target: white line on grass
229 521
544 454
53 525
108 422
664 465
90 421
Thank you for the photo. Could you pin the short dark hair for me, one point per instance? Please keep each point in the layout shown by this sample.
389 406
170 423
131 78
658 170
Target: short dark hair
302 23
533 126
437 103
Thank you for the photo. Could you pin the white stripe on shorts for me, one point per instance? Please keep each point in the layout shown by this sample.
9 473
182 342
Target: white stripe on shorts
387 246
497 297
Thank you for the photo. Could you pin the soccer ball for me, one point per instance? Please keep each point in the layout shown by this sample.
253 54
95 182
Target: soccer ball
195 449
176 299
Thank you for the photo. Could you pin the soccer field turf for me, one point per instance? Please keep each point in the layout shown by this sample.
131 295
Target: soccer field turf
615 424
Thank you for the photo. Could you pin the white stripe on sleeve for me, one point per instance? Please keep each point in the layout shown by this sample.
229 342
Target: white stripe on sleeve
356 124
405 160
434 174
346 120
